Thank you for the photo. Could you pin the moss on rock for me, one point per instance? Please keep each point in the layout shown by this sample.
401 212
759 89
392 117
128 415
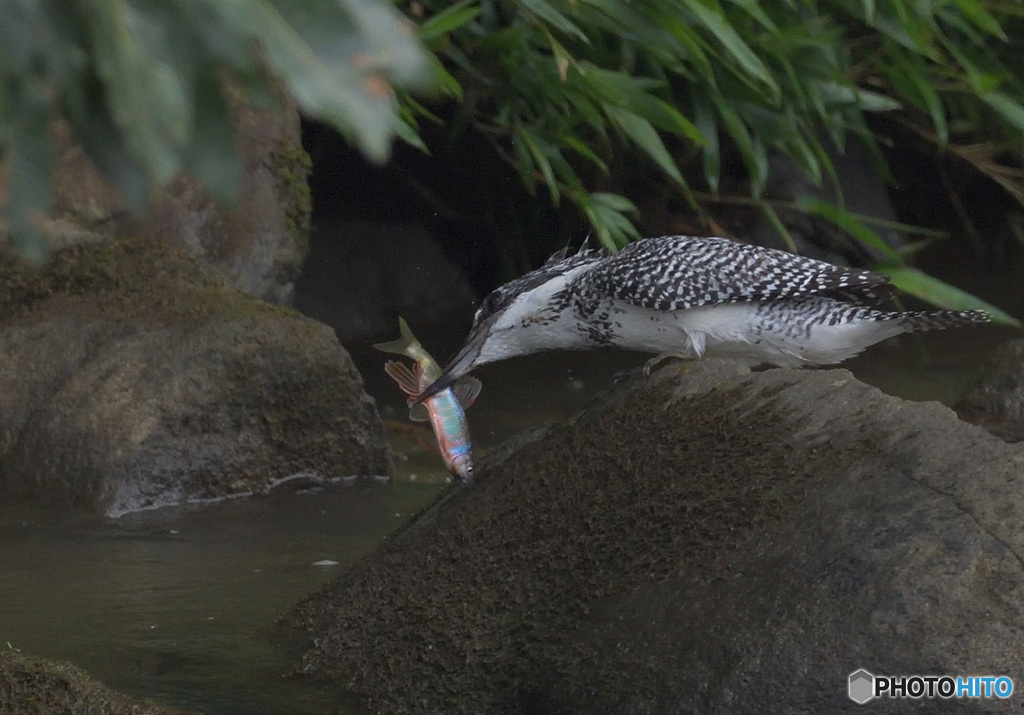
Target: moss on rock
35 686
135 376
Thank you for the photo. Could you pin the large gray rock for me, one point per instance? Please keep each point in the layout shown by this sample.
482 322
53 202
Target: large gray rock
709 540
132 376
996 402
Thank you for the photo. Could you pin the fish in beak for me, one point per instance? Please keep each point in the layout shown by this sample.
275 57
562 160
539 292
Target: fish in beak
462 363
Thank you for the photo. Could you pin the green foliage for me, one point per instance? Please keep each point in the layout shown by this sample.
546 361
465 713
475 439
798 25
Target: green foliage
565 88
143 85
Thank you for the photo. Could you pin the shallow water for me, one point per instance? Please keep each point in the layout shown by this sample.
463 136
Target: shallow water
174 604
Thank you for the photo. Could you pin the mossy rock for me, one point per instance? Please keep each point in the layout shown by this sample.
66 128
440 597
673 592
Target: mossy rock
35 686
134 376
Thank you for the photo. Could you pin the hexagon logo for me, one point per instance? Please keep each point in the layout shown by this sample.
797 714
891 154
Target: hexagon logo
862 686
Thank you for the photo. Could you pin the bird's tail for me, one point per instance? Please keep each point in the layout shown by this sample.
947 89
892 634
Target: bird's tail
921 320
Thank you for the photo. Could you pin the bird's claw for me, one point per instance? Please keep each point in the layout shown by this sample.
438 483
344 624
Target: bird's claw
653 362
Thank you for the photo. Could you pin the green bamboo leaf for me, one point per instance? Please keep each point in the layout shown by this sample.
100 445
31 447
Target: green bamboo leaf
977 14
1007 107
525 165
780 228
848 222
538 149
753 8
869 11
445 81
757 165
606 214
740 51
641 133
405 130
210 156
876 102
142 88
705 119
802 150
557 20
575 144
30 160
448 20
637 21
615 202
626 91
737 129
910 74
354 96
941 294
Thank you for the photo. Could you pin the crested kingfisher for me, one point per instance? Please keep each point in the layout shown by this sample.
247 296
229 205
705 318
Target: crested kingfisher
691 297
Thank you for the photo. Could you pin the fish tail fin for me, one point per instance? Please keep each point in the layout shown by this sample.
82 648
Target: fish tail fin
402 345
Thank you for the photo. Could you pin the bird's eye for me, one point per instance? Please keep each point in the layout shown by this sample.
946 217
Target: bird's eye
489 305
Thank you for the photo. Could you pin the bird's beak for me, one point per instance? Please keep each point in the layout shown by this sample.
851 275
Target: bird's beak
462 363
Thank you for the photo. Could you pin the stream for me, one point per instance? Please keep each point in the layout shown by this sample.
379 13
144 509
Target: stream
175 604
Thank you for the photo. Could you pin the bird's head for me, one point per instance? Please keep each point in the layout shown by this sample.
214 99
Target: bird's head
521 317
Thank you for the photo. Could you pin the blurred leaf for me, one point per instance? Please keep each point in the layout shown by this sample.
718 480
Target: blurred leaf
444 80
539 150
448 20
147 97
977 14
582 149
941 294
730 39
705 119
211 156
406 131
847 222
557 20
780 228
909 75
29 159
640 131
140 82
1008 108
607 214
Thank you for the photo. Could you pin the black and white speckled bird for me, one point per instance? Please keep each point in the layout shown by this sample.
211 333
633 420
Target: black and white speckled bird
691 297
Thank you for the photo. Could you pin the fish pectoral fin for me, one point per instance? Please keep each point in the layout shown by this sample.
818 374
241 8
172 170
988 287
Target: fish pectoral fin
418 412
405 377
466 389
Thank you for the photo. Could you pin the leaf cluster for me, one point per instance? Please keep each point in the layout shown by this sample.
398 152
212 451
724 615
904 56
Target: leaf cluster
143 84
563 88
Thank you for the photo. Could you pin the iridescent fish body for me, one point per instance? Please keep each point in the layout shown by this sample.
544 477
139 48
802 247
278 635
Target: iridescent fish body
445 410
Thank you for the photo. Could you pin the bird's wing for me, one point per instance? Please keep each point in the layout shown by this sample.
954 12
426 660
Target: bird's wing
676 272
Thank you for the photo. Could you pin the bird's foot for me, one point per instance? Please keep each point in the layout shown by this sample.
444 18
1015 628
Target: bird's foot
650 364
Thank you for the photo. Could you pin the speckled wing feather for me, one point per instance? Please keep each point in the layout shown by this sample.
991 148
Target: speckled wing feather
678 272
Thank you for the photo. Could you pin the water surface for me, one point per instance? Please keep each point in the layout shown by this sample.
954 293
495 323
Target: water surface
173 604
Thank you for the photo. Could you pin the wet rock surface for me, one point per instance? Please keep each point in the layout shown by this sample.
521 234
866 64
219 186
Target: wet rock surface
997 401
33 686
133 376
708 540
